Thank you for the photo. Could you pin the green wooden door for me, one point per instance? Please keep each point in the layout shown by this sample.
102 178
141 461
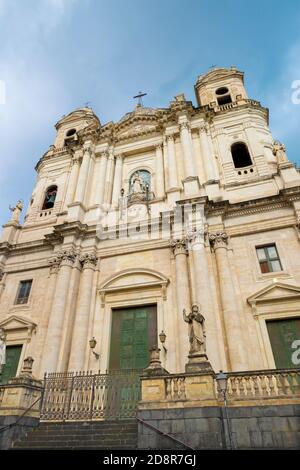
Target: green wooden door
134 331
283 336
9 370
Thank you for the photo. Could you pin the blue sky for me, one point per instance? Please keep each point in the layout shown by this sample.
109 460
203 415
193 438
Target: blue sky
58 54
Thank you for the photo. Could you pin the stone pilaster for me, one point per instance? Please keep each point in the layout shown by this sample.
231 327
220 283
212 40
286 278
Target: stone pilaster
72 181
231 312
159 169
83 175
172 166
63 262
82 316
202 292
207 156
187 147
117 181
100 187
179 249
109 177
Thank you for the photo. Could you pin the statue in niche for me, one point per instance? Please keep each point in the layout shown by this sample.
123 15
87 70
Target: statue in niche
140 182
279 151
16 211
197 333
137 185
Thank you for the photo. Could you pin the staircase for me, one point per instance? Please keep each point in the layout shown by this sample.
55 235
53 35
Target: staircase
103 435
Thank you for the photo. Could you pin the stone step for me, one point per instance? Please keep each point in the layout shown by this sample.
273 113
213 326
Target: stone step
94 435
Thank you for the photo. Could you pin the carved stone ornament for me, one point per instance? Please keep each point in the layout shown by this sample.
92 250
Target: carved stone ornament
195 237
179 246
218 239
88 260
66 256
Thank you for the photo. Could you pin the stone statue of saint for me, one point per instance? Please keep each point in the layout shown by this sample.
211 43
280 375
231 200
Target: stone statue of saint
280 152
197 334
137 184
2 347
16 211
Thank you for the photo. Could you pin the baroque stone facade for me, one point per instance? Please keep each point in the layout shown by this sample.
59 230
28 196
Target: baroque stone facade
103 232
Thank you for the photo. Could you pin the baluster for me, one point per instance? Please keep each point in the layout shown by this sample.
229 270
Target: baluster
287 384
175 389
169 388
264 385
279 384
248 386
255 385
271 385
241 387
233 383
295 382
182 388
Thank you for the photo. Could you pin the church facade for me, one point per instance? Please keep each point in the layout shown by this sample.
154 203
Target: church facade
135 224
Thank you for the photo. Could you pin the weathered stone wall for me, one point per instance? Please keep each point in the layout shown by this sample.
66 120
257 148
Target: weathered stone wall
257 427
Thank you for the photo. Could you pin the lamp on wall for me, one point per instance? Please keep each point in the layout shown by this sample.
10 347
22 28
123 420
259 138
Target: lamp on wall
93 344
162 338
222 384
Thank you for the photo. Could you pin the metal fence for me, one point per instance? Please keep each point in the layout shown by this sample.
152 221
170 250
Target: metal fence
85 396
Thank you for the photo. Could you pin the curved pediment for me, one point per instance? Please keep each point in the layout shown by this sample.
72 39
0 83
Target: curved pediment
133 279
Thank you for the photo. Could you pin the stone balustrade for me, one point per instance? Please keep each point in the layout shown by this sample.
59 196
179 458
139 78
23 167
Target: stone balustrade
202 388
264 384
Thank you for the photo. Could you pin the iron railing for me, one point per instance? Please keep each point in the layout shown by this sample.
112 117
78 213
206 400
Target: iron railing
85 396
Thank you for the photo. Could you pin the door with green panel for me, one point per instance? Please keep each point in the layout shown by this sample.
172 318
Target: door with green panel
134 332
10 368
284 338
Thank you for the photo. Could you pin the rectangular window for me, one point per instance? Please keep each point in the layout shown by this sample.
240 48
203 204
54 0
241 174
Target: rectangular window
268 259
285 342
23 292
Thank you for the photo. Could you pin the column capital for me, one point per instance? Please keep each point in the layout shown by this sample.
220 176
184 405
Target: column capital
204 128
159 146
179 246
119 157
218 239
184 125
88 260
65 257
170 137
104 154
196 237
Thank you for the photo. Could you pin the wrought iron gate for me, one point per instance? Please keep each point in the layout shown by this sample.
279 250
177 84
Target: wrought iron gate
84 396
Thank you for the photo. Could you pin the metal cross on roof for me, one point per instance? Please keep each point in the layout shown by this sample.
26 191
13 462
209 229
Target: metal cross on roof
139 97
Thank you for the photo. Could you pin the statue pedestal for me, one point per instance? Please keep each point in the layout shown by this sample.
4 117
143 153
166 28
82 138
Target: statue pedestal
198 362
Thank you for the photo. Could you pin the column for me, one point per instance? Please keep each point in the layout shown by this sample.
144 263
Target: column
102 174
117 181
182 299
203 294
83 175
231 313
80 337
188 154
207 154
109 177
64 260
72 182
172 166
160 179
